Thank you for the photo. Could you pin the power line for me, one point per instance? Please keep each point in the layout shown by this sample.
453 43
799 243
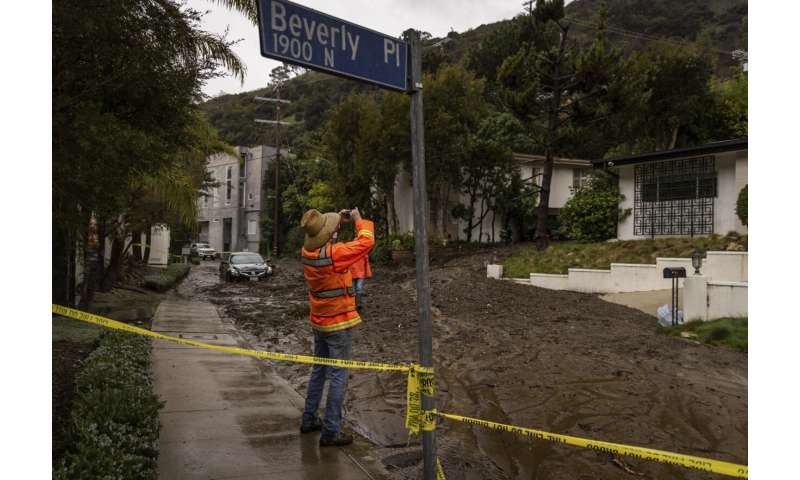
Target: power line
641 36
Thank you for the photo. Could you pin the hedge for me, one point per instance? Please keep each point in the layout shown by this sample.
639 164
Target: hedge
741 205
168 278
114 425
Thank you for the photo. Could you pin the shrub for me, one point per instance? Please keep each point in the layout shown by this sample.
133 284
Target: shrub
114 431
167 279
381 252
741 205
593 212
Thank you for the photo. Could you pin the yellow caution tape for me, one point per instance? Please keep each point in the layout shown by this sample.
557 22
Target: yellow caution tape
428 420
332 362
439 470
698 463
413 401
421 382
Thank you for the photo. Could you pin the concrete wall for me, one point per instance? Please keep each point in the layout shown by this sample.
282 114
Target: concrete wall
550 280
710 300
159 245
725 266
731 177
636 277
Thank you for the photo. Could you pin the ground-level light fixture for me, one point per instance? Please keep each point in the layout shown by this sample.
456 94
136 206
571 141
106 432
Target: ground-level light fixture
697 261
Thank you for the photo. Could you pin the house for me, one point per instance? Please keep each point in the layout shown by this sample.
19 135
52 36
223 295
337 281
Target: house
229 214
681 192
567 174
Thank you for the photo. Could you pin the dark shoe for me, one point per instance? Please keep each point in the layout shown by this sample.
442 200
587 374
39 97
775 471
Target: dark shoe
339 440
317 425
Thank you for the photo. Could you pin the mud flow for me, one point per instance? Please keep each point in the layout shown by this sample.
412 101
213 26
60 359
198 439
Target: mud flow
562 362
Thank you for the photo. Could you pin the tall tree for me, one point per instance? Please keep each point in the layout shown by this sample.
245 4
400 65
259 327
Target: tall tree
548 84
454 107
127 76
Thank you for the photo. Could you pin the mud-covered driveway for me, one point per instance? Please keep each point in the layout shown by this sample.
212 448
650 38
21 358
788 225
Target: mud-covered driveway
558 361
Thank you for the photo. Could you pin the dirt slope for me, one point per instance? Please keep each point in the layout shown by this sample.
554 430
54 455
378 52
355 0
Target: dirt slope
559 361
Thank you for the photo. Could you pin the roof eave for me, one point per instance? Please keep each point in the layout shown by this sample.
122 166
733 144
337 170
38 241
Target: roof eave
707 149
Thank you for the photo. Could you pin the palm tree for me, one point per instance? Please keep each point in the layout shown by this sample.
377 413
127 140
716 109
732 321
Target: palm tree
246 7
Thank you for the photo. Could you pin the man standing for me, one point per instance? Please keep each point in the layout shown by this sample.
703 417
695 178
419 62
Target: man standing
360 271
326 266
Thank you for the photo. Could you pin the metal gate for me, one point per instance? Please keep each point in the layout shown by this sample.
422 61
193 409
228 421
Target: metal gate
675 197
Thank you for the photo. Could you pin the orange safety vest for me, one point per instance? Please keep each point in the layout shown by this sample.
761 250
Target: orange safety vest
330 284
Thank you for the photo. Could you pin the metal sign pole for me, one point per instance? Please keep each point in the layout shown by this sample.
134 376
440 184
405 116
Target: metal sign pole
276 214
421 242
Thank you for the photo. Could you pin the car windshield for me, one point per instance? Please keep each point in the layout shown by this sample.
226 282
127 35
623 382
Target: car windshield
250 258
202 245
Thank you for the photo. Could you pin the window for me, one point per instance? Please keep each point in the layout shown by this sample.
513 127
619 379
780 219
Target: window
205 199
228 184
675 197
251 227
214 191
578 178
679 187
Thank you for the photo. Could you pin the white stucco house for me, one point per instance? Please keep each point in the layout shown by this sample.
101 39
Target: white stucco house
567 174
681 192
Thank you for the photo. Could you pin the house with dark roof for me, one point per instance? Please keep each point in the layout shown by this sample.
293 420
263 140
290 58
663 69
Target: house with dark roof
681 192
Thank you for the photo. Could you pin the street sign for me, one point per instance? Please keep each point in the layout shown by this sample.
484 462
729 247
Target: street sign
302 36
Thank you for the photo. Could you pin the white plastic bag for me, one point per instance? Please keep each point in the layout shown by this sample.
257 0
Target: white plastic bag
664 314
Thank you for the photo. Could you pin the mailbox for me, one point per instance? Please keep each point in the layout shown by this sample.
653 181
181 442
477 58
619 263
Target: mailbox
674 272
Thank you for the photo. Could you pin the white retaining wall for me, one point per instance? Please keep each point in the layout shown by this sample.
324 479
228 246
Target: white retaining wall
636 277
550 280
709 300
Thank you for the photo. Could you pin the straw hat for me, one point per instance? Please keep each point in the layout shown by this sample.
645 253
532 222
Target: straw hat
318 227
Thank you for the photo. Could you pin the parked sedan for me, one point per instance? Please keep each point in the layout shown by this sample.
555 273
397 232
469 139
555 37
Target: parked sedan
202 250
244 265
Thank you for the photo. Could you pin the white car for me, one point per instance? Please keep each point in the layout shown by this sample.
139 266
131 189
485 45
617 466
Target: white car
202 250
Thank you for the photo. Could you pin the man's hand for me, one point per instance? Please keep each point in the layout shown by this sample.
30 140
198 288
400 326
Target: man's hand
355 215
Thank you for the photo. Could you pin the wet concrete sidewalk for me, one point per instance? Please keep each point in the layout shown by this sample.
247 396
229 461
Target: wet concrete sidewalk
228 416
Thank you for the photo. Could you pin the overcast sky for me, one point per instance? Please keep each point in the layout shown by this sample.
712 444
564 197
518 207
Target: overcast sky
387 16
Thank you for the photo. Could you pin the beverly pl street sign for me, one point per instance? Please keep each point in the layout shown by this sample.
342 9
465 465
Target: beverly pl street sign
302 36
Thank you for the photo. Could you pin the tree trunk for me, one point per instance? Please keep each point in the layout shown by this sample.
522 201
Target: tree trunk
102 231
674 139
148 235
88 286
480 221
137 246
470 217
542 235
494 217
393 212
115 264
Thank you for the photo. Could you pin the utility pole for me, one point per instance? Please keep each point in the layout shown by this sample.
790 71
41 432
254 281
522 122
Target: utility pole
277 122
421 243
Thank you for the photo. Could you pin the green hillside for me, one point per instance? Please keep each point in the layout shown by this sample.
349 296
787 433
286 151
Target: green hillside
633 24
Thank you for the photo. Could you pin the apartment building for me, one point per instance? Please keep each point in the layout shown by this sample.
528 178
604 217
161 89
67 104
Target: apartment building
229 214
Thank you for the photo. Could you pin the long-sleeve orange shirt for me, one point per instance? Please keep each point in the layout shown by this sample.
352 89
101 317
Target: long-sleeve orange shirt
345 255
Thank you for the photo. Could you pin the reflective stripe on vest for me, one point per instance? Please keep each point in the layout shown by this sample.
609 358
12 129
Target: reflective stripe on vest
322 261
338 292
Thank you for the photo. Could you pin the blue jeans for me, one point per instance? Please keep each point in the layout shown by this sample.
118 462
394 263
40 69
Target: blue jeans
328 345
358 285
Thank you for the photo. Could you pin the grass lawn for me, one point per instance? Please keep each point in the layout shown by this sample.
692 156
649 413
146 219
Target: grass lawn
560 256
724 331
